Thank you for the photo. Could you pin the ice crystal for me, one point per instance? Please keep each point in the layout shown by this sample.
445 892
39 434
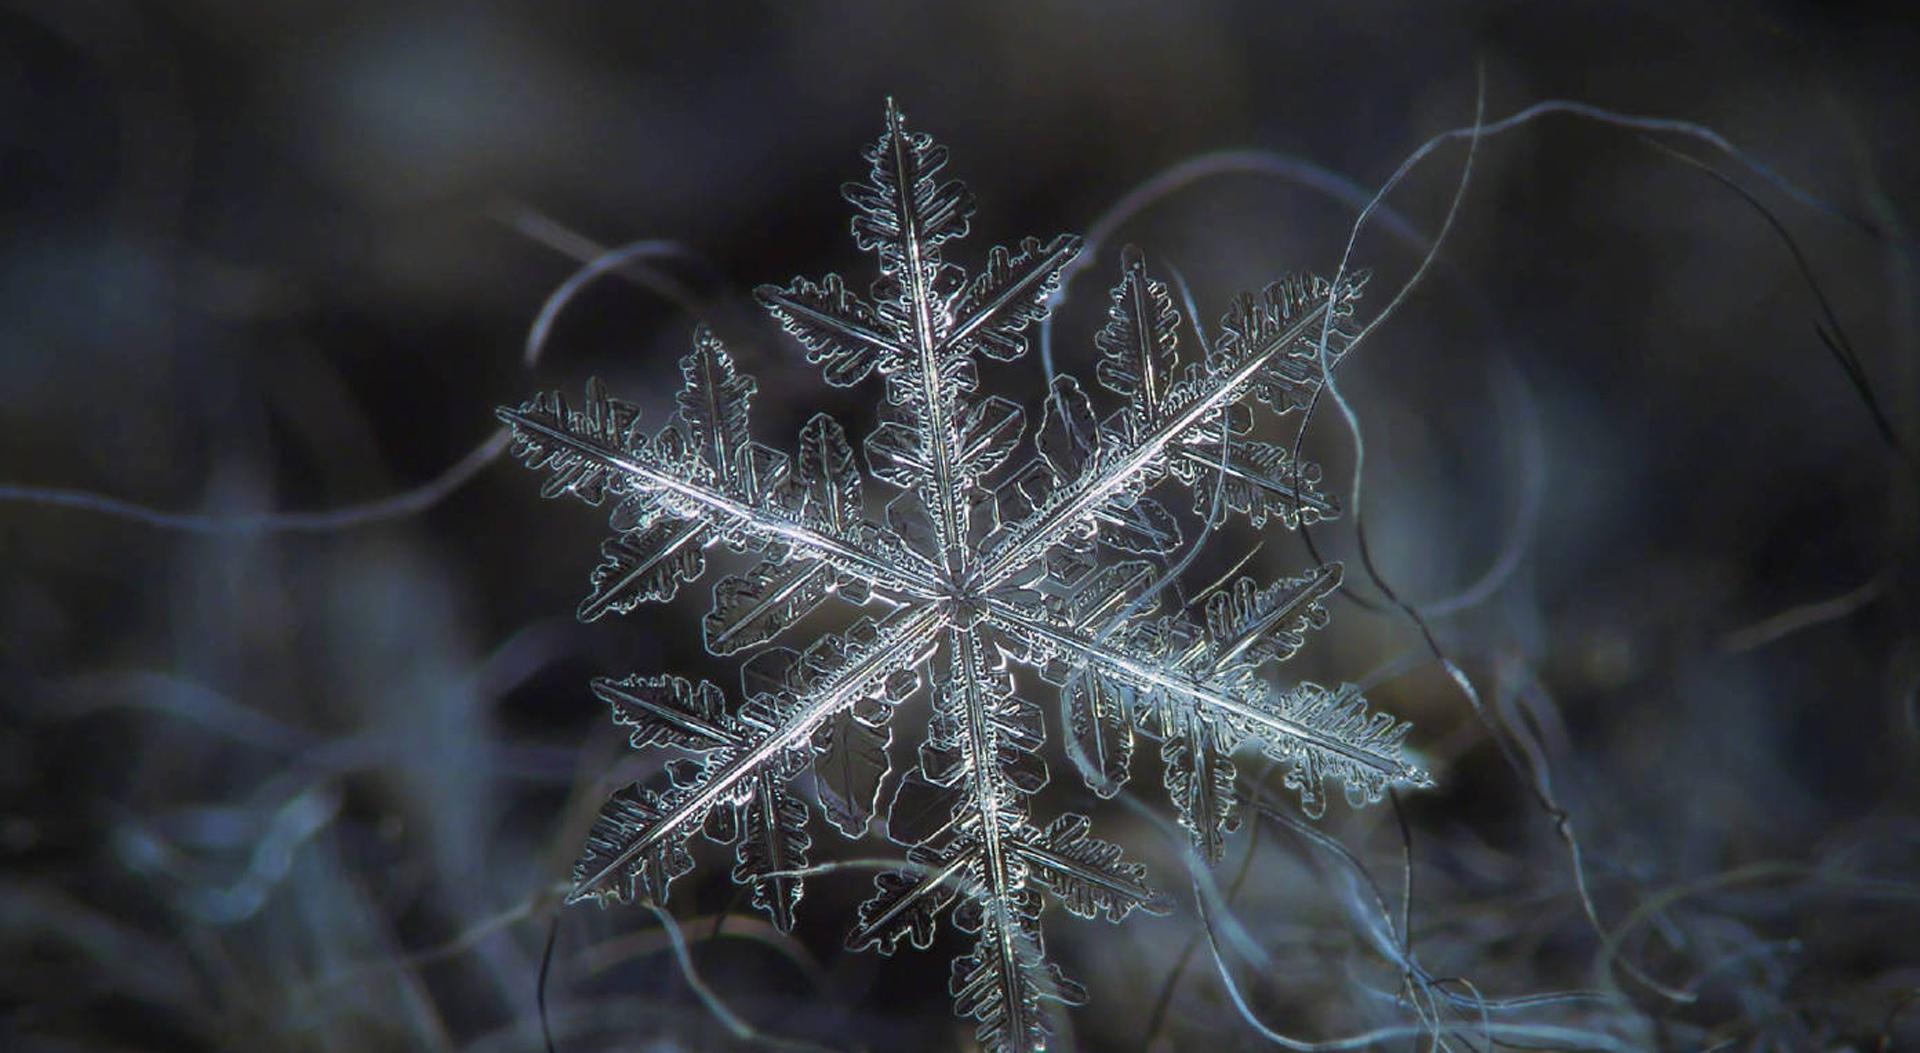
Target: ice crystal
981 562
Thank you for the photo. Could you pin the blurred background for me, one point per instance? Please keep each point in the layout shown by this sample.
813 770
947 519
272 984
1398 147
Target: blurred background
295 741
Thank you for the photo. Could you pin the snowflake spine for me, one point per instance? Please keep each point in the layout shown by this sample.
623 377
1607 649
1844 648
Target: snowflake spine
984 567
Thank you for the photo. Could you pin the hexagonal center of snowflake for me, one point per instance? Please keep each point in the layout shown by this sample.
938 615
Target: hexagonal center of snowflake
965 602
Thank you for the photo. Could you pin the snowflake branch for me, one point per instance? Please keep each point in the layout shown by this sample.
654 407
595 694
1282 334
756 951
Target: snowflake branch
989 791
936 432
1055 519
891 575
1146 673
898 645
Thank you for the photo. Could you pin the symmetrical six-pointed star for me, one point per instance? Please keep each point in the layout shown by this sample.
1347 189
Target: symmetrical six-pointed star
1052 564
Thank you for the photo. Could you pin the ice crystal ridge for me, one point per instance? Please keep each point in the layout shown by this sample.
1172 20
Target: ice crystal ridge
983 562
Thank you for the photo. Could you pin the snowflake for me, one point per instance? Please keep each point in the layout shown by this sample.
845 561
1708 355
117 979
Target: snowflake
1053 564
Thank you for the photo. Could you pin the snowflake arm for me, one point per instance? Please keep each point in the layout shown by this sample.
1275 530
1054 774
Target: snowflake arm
622 861
1267 352
1195 687
600 451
